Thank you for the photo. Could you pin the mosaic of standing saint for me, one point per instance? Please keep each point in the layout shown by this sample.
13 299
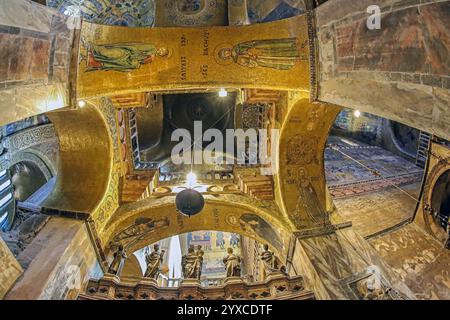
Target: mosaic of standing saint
123 57
280 54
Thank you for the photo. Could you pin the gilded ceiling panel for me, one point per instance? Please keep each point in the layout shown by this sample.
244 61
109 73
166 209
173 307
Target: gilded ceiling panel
172 13
131 13
115 60
301 178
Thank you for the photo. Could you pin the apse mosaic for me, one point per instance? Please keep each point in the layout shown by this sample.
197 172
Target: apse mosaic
131 13
190 6
214 244
191 13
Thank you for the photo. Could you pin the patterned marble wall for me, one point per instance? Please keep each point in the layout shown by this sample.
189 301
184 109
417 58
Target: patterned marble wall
371 202
418 259
34 59
419 252
376 208
131 13
336 265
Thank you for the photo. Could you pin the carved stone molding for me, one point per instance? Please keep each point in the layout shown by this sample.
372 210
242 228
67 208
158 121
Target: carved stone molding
322 230
31 137
363 286
313 55
278 287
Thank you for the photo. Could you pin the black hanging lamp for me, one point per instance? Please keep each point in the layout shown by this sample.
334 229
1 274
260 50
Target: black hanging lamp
190 202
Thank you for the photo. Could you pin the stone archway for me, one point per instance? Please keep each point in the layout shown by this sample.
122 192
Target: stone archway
435 195
301 178
85 153
139 224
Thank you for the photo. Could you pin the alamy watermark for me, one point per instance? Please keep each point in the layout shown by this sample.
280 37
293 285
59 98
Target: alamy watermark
243 147
374 20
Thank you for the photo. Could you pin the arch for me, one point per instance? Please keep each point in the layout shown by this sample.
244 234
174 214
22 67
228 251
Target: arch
440 199
42 163
138 224
85 152
439 170
301 176
23 145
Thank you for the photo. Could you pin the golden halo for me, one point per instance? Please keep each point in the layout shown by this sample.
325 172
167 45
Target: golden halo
169 52
216 54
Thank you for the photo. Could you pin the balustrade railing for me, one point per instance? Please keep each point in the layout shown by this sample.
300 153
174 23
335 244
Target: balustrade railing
280 287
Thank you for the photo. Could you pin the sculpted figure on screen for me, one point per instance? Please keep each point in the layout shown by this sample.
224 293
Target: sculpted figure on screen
119 259
192 263
232 264
272 263
154 261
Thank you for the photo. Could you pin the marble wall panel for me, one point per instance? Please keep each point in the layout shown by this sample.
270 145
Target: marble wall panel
10 269
32 15
64 259
418 259
35 58
399 72
338 258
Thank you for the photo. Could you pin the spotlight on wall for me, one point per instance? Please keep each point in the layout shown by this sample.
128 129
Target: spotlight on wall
223 93
82 103
357 113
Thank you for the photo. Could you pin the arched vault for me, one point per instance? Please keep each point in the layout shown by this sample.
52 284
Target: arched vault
85 159
138 224
301 186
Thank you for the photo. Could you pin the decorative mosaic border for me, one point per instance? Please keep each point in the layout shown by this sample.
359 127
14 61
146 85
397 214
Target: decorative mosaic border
313 55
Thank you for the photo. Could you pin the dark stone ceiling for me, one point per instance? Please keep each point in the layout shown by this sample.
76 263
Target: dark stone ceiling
180 112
